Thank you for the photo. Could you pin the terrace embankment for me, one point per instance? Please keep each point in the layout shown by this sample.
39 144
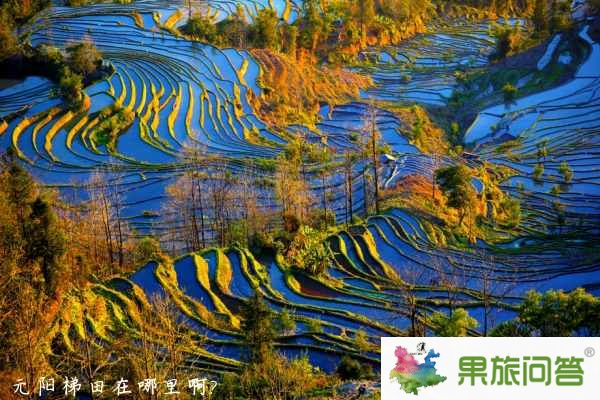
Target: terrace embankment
293 90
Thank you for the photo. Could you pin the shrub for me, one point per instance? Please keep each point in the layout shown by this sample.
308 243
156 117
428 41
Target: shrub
457 324
308 251
314 325
114 121
147 249
509 92
8 40
278 378
201 28
286 322
508 40
538 171
556 313
51 58
361 341
84 58
321 219
71 89
351 369
512 209
229 388
233 30
566 171
264 32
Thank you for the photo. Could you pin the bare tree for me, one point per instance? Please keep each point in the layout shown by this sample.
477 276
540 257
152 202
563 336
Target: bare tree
348 167
165 345
105 207
372 149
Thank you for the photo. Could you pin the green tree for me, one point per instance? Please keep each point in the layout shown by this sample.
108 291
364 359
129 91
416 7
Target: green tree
147 249
71 89
8 40
234 29
540 16
315 325
264 32
509 92
366 15
361 341
258 328
201 28
457 324
45 242
556 313
308 251
512 209
291 40
20 190
84 58
538 171
351 369
315 25
511 328
286 322
508 39
455 182
566 171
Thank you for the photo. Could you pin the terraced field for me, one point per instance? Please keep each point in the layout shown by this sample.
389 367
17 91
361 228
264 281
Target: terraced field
186 94
422 69
563 123
361 292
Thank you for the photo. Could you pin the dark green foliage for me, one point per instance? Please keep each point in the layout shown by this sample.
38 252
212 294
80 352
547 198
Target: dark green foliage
8 40
457 324
264 33
51 58
366 14
201 28
455 136
511 329
36 233
286 322
71 89
315 25
509 93
351 369
560 15
258 328
233 31
308 251
147 249
508 40
14 13
540 16
538 171
115 121
291 39
84 58
20 190
512 208
455 182
23 10
555 313
229 388
566 171
45 242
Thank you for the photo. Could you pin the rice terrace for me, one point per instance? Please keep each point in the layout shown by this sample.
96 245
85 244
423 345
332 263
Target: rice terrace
255 192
